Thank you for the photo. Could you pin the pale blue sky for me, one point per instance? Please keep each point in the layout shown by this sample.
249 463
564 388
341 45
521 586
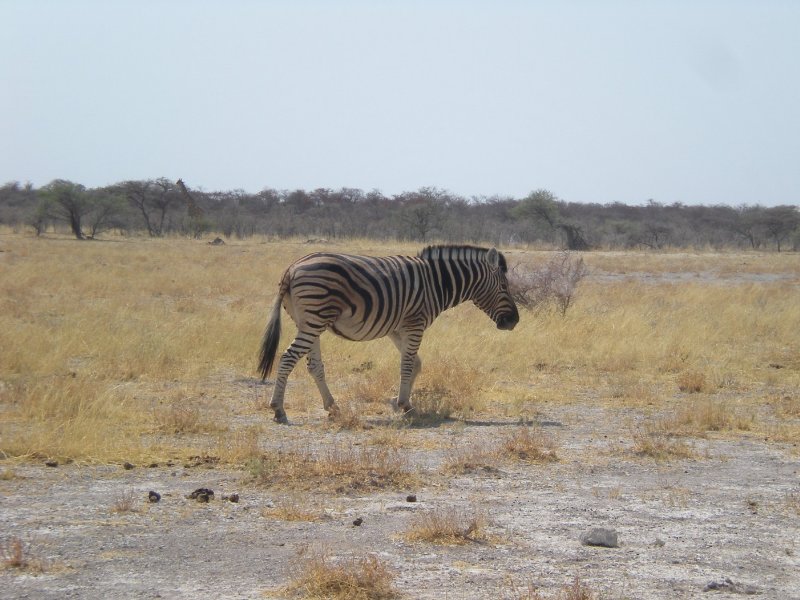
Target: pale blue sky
694 102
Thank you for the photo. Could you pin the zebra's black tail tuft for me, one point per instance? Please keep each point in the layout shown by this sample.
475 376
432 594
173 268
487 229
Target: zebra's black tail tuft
272 336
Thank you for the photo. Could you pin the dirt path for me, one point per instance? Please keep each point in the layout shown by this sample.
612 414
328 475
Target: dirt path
732 513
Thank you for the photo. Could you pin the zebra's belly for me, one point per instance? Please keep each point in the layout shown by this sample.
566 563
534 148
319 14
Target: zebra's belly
361 331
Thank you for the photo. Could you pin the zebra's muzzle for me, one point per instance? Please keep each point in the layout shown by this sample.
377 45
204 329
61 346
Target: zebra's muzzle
507 322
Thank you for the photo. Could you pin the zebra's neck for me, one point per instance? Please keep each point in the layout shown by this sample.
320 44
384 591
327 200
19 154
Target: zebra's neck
455 271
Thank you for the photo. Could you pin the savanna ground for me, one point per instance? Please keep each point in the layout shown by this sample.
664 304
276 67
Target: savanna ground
664 404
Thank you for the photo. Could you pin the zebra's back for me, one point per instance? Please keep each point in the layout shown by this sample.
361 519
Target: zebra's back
358 297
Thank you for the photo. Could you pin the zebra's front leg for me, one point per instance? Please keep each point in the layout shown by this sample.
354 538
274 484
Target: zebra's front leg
317 370
301 346
410 365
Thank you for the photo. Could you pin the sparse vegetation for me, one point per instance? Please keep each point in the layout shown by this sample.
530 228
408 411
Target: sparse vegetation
448 526
15 553
342 468
126 502
362 578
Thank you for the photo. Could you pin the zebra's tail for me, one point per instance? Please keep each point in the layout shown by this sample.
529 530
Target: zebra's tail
272 336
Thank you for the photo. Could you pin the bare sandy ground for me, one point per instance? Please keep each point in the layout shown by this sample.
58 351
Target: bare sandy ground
728 517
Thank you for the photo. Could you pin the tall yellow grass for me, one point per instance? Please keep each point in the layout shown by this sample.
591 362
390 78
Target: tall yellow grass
107 348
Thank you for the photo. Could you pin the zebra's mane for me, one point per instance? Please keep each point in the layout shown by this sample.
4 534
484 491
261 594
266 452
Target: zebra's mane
459 252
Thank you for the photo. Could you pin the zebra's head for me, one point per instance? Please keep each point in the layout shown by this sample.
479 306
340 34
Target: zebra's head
494 298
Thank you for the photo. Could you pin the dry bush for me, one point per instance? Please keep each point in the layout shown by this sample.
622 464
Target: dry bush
367 578
448 526
471 459
15 553
522 444
125 503
692 382
553 285
528 445
712 415
655 441
446 390
787 406
370 387
577 590
342 468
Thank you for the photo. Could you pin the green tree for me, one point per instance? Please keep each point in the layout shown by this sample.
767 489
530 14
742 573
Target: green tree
66 201
543 206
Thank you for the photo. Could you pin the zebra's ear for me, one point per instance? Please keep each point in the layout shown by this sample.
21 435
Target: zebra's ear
493 258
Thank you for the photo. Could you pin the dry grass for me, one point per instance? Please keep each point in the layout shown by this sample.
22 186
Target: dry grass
15 553
366 578
93 333
577 590
339 467
293 508
522 444
449 526
652 442
126 502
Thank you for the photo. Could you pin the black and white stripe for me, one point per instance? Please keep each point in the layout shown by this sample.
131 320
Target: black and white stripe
364 298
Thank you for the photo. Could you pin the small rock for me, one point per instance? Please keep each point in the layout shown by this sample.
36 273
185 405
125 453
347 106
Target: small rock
600 536
233 498
51 463
411 498
153 496
358 521
152 465
128 466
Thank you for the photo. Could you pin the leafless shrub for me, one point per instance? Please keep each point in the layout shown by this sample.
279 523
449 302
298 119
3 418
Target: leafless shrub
17 554
553 285
125 502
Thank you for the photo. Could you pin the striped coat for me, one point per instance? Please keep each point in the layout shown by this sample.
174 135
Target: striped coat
364 298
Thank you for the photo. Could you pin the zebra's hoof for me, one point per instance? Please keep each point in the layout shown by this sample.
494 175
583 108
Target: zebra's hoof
280 418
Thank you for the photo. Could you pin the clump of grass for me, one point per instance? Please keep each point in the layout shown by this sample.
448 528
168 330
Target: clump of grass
712 415
471 459
347 417
522 444
177 418
653 442
366 578
292 509
17 554
449 526
340 467
125 503
692 382
528 445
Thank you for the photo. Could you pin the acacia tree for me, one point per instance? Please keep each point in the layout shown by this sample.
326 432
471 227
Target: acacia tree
153 199
542 206
66 201
780 222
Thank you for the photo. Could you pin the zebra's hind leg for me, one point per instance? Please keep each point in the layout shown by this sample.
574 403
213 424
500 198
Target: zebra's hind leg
301 346
317 370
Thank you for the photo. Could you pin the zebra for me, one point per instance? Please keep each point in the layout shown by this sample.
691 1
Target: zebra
364 298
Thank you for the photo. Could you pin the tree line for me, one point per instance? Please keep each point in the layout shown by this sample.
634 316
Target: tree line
160 207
